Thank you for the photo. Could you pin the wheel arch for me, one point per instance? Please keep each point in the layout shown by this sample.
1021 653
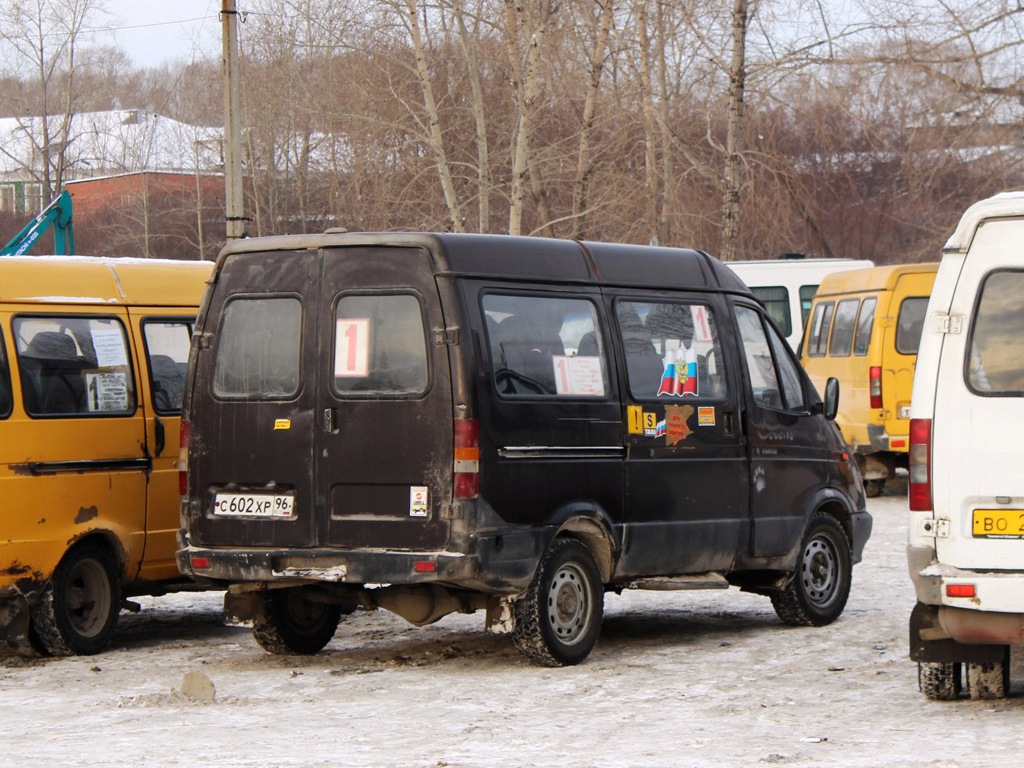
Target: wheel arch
593 527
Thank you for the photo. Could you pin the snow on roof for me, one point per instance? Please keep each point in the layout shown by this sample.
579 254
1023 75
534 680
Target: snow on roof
113 142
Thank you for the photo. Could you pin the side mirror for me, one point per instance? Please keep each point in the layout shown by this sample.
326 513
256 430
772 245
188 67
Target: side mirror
831 406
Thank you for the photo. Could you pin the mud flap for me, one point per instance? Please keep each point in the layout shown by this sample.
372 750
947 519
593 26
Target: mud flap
930 643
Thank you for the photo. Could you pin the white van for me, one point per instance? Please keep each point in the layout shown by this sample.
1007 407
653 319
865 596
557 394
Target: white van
786 286
966 534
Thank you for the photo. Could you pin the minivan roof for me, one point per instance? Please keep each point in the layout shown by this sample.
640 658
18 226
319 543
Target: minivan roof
873 279
1002 205
529 258
101 280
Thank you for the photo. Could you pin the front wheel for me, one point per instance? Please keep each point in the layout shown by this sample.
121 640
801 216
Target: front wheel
291 622
558 620
818 591
77 610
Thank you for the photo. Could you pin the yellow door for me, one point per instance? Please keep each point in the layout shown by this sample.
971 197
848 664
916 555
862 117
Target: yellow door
162 337
73 457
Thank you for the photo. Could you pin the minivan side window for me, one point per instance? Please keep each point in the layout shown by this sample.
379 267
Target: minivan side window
167 347
74 366
258 349
543 345
865 322
774 376
776 304
671 349
380 345
995 364
843 327
817 337
6 397
909 324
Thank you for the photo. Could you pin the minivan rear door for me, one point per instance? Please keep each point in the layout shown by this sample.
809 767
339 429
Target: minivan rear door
384 404
902 337
979 407
329 415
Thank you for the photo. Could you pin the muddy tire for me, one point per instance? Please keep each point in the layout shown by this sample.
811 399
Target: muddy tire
817 594
939 680
988 681
292 623
873 488
77 610
558 620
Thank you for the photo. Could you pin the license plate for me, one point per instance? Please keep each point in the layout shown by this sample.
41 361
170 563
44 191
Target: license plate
998 523
254 504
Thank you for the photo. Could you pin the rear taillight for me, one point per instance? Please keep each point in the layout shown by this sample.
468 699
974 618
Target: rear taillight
920 492
183 459
467 458
875 386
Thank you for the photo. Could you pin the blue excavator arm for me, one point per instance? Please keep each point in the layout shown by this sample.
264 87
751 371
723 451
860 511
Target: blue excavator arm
57 215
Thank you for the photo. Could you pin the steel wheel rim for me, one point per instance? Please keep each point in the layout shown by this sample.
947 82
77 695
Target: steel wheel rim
569 604
820 571
88 598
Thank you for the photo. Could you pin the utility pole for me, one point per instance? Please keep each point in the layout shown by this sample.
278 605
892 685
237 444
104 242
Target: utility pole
234 202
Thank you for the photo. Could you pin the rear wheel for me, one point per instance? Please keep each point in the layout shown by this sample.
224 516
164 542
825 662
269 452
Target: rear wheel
77 610
873 488
558 620
939 680
293 623
989 681
817 593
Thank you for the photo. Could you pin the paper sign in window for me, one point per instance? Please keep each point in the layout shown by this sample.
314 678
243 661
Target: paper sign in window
109 346
352 348
580 375
107 391
701 326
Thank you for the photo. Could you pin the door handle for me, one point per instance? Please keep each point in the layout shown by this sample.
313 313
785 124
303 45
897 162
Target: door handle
329 420
159 436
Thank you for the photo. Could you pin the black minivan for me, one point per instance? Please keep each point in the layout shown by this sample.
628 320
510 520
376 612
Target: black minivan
432 423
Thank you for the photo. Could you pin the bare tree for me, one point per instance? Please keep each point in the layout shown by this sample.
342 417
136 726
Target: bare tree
42 40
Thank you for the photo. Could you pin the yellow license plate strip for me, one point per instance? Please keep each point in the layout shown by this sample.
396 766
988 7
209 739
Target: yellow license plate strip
998 523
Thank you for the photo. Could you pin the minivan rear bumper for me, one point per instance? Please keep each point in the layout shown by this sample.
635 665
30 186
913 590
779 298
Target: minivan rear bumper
502 571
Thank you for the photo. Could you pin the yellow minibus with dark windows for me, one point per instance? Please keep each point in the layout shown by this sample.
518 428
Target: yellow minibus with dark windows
92 364
864 330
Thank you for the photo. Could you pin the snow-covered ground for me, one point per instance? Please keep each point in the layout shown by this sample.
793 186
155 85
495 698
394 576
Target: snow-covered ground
678 679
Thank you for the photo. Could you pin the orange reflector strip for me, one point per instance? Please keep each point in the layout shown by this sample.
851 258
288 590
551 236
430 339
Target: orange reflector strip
467 454
959 590
425 566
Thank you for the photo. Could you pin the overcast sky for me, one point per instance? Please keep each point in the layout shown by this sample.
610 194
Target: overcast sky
153 32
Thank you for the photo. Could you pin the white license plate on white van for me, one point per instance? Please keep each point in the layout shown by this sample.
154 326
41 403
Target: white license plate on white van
254 504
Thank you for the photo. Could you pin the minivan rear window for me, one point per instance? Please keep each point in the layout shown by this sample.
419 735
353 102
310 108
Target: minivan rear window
995 365
909 324
380 345
258 349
